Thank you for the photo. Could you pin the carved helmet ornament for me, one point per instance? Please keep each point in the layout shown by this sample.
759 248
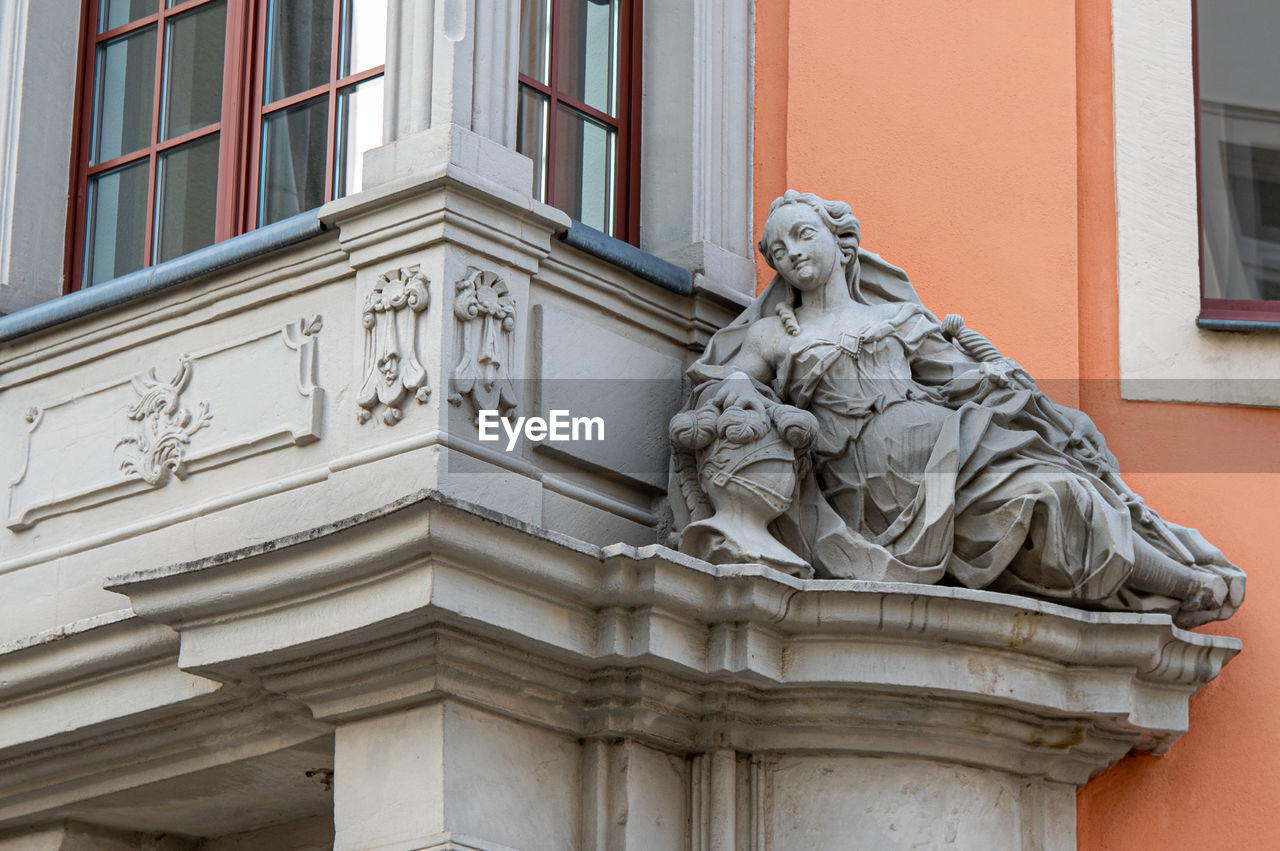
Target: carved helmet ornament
745 460
838 429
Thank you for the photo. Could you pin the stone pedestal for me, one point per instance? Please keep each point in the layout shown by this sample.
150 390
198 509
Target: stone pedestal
496 686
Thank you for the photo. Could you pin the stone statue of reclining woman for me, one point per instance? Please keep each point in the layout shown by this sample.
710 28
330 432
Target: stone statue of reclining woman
837 429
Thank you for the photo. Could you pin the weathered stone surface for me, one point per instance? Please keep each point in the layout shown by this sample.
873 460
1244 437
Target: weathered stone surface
619 677
935 460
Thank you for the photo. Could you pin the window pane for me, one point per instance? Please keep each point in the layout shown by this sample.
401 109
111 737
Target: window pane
587 59
583 169
124 92
117 13
359 129
116 231
1238 66
194 45
364 35
531 136
299 42
535 39
186 197
293 160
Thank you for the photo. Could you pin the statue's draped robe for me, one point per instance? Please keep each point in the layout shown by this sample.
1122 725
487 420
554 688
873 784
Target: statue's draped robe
927 467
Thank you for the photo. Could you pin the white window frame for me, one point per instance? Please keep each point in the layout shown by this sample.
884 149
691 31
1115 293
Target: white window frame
1164 356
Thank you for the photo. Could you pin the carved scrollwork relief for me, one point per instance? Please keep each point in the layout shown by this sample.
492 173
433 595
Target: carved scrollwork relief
486 315
392 370
161 447
264 384
32 416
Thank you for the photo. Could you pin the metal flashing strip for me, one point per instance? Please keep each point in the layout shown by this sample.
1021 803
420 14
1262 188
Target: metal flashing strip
1237 325
156 278
627 257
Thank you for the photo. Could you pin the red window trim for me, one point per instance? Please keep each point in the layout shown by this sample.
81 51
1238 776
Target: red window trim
260 110
1253 310
240 122
627 125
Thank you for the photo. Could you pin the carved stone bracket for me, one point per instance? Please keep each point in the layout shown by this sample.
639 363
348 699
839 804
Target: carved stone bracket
392 370
486 315
161 447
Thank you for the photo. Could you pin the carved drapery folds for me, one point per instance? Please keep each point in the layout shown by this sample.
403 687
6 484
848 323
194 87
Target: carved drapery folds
392 369
935 459
160 448
486 315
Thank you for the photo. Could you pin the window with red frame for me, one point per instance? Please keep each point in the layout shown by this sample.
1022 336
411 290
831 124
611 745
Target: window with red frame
1237 69
578 108
203 119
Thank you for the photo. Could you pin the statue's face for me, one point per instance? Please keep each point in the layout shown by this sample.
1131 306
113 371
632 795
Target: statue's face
801 247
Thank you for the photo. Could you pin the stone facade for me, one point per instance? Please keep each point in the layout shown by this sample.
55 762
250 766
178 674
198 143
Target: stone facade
264 586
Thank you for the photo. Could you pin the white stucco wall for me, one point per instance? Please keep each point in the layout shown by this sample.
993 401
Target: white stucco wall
1163 355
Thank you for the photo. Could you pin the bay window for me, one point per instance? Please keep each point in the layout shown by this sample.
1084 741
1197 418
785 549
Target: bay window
578 108
202 119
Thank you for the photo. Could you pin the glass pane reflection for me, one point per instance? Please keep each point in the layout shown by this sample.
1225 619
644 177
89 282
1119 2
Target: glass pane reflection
117 13
116 230
186 197
294 142
1237 66
583 169
124 92
535 39
359 129
299 45
364 35
194 47
531 136
586 67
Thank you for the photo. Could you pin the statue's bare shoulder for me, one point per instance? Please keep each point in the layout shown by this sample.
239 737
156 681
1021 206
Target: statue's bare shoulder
762 348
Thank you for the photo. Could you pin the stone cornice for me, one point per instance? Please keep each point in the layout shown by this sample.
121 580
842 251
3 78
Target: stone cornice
101 705
429 597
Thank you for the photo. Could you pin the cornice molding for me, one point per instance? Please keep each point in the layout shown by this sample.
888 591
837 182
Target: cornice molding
431 598
102 706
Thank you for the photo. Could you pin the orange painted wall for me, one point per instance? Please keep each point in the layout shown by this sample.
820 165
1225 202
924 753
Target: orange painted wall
920 115
974 141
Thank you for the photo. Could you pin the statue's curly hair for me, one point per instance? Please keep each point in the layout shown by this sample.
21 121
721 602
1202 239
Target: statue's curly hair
836 215
839 219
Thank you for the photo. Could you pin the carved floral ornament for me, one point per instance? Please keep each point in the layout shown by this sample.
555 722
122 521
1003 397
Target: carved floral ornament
160 448
486 315
392 369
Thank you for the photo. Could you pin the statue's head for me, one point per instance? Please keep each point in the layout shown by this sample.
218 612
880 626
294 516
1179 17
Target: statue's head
795 211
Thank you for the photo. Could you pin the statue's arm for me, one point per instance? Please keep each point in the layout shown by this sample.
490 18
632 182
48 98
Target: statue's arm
753 360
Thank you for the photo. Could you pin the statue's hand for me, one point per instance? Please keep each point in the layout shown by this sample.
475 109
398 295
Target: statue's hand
737 391
1007 373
